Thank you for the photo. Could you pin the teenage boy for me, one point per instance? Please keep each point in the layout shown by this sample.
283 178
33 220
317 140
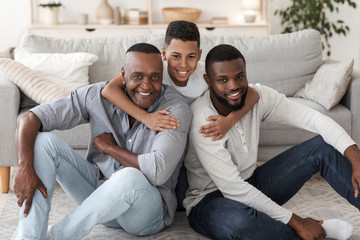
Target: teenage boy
183 71
228 197
130 172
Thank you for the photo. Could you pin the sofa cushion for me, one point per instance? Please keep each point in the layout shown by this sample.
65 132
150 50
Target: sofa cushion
68 70
284 61
111 51
31 84
329 84
276 134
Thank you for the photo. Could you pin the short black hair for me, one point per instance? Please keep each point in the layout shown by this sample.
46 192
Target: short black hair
183 30
144 48
221 53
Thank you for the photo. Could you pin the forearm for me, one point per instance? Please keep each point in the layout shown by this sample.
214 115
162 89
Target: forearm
123 156
26 133
116 95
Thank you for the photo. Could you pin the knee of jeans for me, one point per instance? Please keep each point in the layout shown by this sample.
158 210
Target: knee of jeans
45 144
234 228
319 144
130 177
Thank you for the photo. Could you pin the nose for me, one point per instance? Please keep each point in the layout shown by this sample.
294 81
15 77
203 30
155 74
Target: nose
146 83
183 62
232 84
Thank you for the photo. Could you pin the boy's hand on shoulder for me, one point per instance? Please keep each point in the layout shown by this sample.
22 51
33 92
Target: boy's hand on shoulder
217 129
160 121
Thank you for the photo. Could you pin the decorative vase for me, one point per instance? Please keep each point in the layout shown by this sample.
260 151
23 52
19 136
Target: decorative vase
50 15
117 16
104 13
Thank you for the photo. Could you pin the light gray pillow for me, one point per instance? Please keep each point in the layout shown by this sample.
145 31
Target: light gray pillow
30 83
329 84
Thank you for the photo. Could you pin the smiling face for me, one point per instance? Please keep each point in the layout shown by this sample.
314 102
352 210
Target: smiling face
182 58
143 77
228 85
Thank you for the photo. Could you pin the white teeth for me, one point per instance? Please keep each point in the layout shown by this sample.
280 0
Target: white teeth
182 73
234 94
144 94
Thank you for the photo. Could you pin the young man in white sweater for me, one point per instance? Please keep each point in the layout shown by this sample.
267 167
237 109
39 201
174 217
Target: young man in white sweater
228 197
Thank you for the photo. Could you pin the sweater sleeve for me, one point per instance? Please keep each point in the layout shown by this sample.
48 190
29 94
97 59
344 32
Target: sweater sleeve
286 111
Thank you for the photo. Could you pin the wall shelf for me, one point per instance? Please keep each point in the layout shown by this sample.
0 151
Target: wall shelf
69 30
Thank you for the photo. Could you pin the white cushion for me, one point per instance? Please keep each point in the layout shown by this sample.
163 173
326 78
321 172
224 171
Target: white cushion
30 83
68 70
329 84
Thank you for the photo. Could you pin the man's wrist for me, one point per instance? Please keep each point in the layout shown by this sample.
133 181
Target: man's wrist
352 153
294 221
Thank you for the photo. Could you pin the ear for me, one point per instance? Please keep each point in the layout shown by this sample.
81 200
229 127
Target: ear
207 79
163 53
123 74
199 55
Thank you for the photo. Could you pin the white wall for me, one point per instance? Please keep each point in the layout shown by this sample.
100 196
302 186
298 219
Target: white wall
15 17
342 48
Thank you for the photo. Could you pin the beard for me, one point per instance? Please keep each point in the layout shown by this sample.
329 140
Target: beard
226 103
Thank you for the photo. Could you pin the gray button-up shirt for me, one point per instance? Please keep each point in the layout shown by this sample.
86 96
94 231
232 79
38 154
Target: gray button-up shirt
160 154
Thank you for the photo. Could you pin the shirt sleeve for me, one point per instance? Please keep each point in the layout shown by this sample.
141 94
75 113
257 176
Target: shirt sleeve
217 162
283 110
64 113
168 148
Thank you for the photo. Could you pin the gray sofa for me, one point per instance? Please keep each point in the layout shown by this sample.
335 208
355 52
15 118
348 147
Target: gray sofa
284 62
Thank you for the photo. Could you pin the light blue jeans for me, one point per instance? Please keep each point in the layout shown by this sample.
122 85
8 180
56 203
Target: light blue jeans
127 200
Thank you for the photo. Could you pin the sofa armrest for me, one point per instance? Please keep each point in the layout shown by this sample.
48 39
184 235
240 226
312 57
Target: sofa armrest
351 100
9 108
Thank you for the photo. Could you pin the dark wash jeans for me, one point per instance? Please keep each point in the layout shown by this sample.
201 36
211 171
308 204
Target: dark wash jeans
280 179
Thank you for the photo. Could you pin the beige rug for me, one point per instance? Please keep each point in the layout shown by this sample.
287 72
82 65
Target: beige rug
316 199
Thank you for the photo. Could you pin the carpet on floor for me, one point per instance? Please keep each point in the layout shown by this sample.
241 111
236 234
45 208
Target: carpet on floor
316 199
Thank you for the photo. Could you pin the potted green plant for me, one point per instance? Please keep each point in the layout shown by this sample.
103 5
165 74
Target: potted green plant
50 12
303 14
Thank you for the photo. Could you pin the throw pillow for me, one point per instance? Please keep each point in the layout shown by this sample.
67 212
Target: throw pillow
30 83
329 84
68 70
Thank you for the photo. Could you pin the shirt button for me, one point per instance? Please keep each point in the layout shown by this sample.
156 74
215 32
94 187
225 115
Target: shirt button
129 141
242 134
244 144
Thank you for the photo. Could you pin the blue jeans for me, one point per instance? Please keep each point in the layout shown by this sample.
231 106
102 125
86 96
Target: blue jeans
280 179
126 200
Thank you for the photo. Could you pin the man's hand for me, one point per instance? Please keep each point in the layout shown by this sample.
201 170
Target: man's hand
26 183
160 121
217 129
352 153
103 141
307 228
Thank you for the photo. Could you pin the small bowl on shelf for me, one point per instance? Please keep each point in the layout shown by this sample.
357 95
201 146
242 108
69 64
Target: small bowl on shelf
181 13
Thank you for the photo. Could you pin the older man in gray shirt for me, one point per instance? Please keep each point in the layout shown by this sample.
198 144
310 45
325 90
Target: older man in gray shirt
130 172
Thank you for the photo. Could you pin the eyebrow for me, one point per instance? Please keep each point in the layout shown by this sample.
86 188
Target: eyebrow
193 53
